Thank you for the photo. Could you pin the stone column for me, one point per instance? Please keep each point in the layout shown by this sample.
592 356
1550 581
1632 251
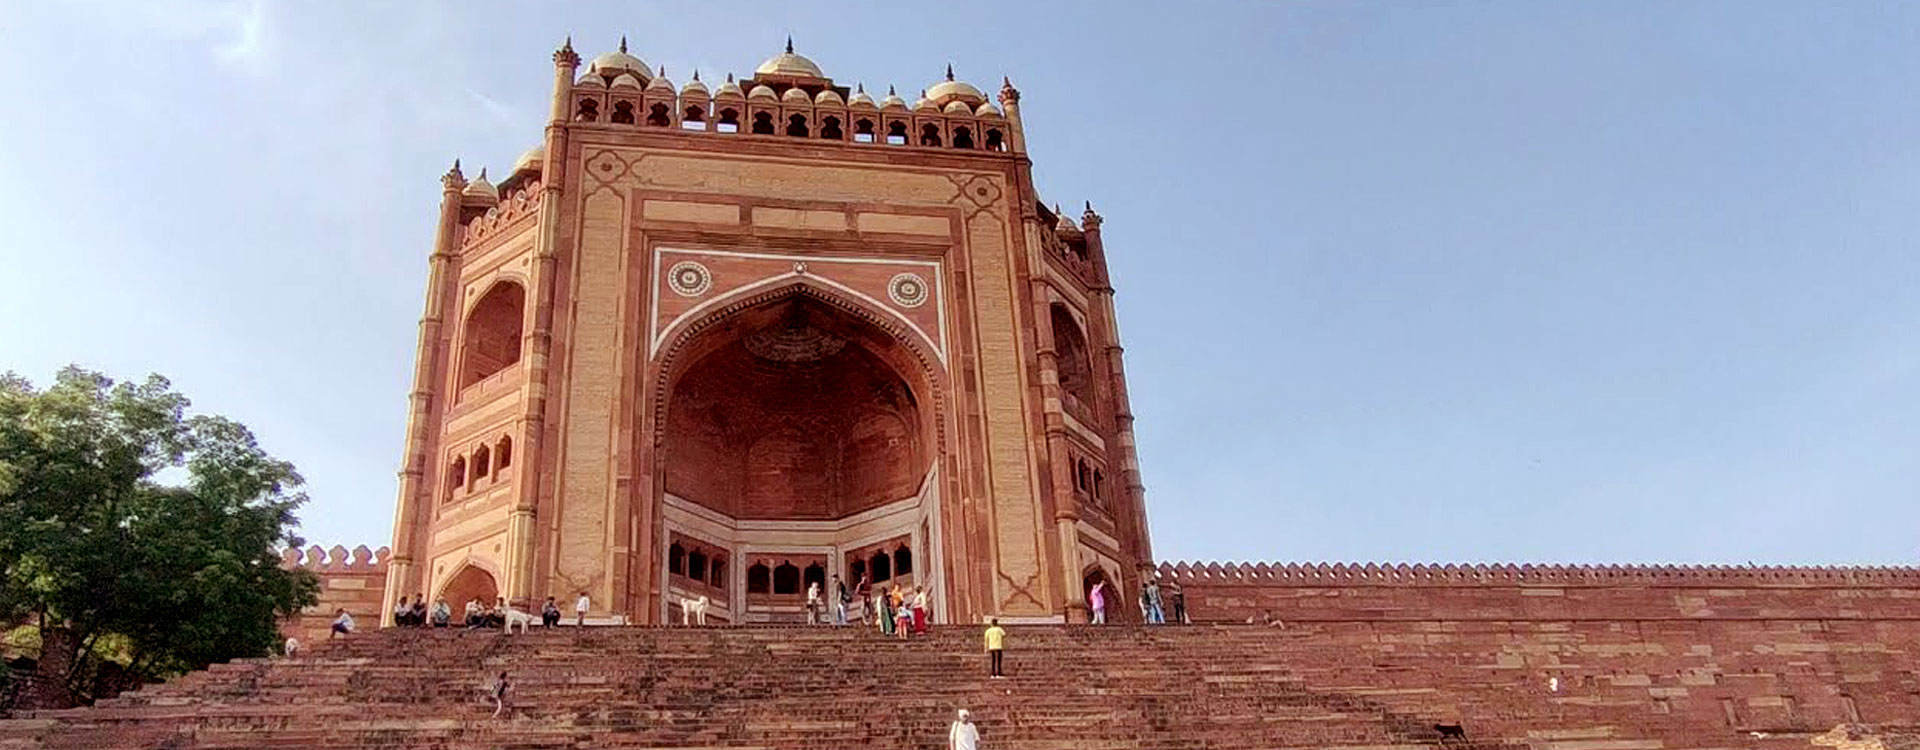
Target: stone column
1066 515
413 510
522 535
1135 516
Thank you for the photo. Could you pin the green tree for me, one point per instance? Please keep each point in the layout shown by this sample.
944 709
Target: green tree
132 534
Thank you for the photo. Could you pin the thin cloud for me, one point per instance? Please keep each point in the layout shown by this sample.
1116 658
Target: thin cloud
233 30
494 108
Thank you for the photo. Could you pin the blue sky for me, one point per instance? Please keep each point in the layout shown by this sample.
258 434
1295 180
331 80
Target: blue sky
1625 281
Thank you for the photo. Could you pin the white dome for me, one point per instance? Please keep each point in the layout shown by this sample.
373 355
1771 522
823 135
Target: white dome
591 79
532 159
660 82
762 91
789 64
615 63
694 87
989 109
626 81
951 90
730 88
481 188
893 100
861 99
958 107
829 96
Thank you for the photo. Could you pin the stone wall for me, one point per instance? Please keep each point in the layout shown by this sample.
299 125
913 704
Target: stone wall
353 581
1234 593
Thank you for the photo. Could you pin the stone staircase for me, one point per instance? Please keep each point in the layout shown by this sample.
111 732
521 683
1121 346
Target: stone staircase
1121 687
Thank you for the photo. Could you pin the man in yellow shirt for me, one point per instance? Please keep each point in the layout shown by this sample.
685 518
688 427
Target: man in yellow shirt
996 639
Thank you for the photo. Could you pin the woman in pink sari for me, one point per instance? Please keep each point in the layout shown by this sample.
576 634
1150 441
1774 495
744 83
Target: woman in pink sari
1098 600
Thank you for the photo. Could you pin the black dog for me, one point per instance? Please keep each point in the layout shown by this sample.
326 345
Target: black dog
1451 732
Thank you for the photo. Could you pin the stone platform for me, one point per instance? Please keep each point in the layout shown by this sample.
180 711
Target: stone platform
1218 687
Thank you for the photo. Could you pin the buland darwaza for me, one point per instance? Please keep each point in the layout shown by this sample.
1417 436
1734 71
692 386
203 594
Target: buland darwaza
730 342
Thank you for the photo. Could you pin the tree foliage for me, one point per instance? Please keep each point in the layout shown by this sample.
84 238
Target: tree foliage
135 534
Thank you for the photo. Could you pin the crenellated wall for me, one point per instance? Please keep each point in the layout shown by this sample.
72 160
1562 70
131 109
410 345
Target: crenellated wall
350 580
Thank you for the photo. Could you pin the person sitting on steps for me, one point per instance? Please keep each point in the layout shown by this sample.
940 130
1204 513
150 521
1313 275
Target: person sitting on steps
342 624
442 614
549 614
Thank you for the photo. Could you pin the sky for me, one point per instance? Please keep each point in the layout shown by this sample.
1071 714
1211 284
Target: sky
1627 281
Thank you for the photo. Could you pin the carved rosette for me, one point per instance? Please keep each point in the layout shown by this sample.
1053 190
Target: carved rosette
689 279
907 290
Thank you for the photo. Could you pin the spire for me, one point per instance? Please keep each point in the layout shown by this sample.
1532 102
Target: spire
789 44
663 71
623 44
1090 220
729 78
890 90
1008 94
696 74
453 180
949 71
565 55
860 88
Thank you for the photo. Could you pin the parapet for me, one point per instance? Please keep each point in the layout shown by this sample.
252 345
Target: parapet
1431 574
338 559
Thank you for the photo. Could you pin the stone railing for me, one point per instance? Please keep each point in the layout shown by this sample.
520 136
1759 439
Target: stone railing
1425 574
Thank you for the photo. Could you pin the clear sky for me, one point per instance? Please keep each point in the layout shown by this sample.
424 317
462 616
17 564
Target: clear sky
1633 281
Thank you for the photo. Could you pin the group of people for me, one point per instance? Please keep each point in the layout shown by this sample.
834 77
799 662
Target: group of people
895 610
1154 601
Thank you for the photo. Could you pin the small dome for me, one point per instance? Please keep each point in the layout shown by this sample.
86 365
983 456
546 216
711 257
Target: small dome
989 109
893 100
729 89
957 107
660 82
694 87
789 64
481 188
829 96
861 99
951 90
532 159
762 91
1065 224
796 96
923 104
591 79
615 63
626 81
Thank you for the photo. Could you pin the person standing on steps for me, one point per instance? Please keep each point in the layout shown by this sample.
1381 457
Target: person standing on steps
996 638
1097 599
580 609
497 692
814 615
884 611
1179 602
963 735
920 612
840 601
1150 597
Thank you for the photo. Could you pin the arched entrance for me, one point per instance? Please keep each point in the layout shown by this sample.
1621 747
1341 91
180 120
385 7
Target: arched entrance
470 583
795 434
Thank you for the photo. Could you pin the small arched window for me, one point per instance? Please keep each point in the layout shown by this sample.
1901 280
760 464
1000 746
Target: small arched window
589 111
962 137
717 575
697 565
503 454
482 463
830 129
762 123
902 561
729 121
490 338
897 133
786 579
457 474
677 559
856 570
863 130
882 566
797 126
994 140
930 135
816 575
658 116
693 119
622 113
1099 486
757 578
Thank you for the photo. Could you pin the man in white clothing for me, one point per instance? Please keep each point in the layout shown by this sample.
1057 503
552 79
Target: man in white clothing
964 735
580 609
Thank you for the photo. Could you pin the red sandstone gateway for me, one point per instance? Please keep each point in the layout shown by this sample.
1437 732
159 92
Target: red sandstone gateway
732 342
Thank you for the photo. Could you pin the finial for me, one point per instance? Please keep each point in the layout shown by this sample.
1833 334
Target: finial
623 44
565 55
949 71
696 74
663 71
860 88
729 78
789 44
890 90
453 180
1089 206
1008 94
568 44
1090 220
483 173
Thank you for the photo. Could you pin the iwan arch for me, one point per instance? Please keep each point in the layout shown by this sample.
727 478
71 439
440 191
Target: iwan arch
727 342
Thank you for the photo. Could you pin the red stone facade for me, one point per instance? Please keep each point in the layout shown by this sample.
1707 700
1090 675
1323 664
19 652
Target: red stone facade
726 341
